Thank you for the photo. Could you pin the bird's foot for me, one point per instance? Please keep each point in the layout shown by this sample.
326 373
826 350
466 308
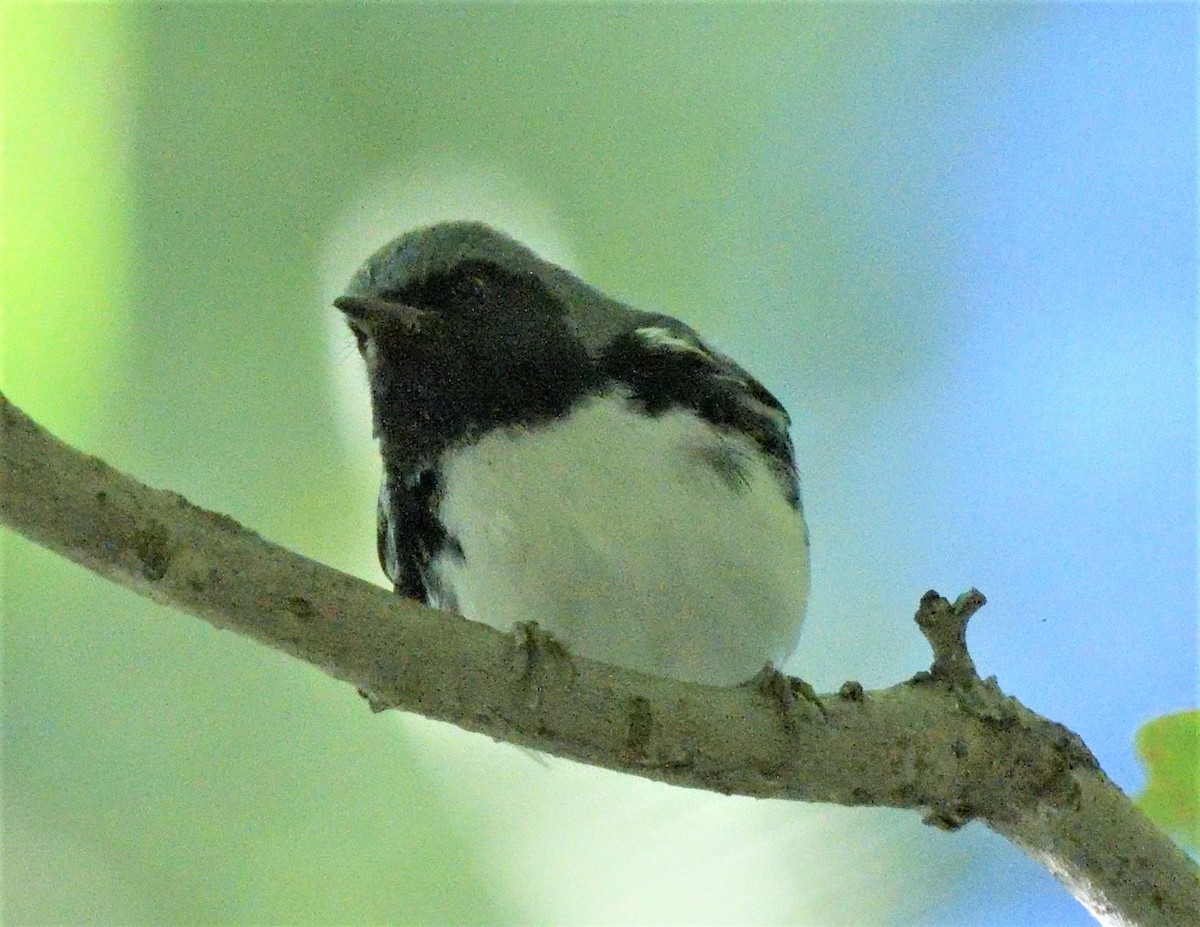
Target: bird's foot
539 661
788 693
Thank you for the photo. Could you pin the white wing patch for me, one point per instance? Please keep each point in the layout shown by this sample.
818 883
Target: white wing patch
777 416
661 339
657 338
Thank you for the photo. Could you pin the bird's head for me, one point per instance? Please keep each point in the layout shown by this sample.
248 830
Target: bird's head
462 327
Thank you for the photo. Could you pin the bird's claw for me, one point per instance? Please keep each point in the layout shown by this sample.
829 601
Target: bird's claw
536 655
787 692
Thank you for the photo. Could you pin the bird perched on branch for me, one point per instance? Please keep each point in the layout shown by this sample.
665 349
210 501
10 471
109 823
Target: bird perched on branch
551 455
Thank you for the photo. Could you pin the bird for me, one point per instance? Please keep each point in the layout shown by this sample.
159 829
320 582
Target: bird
554 457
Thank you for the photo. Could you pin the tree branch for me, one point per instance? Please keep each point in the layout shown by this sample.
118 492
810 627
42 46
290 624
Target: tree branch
945 743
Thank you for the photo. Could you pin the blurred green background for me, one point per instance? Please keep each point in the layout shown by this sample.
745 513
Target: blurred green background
957 241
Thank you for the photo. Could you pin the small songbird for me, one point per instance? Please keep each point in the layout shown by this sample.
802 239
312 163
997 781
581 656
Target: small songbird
551 455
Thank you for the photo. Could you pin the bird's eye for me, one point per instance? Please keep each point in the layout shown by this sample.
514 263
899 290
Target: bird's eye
472 287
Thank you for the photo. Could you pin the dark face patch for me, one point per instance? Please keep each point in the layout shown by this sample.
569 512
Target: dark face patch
498 353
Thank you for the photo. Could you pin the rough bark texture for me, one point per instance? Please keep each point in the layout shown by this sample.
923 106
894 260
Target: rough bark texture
945 743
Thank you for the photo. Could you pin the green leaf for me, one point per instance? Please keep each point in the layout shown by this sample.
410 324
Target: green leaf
1169 747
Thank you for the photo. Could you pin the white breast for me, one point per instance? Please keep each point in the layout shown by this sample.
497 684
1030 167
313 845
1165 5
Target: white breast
614 532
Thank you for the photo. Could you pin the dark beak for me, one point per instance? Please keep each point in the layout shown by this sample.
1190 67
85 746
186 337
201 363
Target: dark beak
369 314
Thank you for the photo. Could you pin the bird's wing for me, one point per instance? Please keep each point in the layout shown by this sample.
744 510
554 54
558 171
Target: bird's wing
665 365
408 535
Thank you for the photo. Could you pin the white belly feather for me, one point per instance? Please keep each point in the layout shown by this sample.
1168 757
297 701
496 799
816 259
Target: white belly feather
614 533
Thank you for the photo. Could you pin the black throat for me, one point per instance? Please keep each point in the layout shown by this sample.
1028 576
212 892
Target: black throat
501 356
